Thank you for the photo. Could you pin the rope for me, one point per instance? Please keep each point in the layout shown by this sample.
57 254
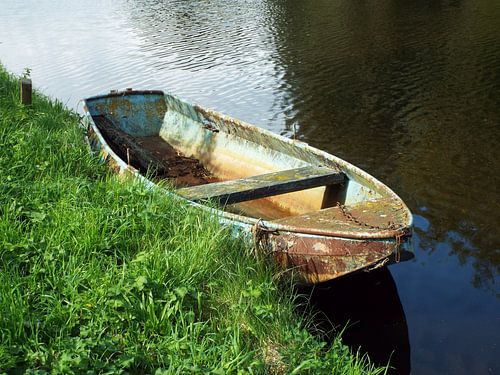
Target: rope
260 234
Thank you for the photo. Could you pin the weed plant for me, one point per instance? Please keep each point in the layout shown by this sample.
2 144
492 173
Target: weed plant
101 275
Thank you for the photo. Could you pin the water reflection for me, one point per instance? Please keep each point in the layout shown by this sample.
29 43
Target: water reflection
409 91
393 96
219 54
413 97
367 305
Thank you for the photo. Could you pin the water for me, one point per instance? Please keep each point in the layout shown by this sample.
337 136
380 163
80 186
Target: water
408 90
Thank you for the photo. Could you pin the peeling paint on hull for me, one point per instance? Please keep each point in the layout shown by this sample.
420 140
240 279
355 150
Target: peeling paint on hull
318 258
326 233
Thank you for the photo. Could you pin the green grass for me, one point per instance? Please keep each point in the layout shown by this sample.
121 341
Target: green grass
100 275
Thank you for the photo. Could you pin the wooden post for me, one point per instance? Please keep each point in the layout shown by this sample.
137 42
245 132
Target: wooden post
26 91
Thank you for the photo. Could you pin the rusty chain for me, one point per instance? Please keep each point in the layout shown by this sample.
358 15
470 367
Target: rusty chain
260 237
349 216
398 237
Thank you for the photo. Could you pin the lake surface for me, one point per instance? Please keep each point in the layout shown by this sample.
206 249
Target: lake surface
407 90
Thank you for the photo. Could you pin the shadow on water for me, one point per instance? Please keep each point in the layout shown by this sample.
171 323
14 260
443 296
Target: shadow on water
407 90
368 308
411 97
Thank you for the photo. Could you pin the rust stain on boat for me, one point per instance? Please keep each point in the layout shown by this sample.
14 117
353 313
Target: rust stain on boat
317 233
316 259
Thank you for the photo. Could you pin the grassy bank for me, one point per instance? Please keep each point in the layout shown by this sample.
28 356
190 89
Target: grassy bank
99 275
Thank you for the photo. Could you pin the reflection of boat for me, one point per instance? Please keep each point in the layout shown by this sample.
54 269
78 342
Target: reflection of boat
317 213
367 305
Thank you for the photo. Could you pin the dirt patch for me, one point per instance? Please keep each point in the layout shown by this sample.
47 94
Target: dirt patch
186 171
153 155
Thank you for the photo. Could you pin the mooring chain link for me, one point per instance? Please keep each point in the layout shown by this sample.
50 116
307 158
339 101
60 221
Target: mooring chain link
398 237
378 264
349 216
260 237
399 241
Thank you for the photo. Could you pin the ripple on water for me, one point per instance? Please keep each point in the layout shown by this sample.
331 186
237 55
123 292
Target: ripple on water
409 91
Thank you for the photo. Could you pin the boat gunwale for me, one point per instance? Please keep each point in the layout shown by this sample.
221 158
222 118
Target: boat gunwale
247 222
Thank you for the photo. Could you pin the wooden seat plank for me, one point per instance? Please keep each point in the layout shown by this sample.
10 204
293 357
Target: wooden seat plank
265 185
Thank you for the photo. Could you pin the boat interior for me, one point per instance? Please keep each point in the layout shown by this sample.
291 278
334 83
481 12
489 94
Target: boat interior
247 170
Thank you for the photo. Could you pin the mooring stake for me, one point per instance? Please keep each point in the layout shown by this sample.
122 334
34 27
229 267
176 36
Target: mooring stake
26 91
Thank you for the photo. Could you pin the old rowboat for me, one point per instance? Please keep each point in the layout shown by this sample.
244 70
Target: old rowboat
316 213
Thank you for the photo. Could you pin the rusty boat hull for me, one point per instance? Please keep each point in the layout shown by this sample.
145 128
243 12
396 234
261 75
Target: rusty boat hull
318 215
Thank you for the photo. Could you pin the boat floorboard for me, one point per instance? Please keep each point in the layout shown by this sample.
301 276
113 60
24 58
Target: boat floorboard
154 155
